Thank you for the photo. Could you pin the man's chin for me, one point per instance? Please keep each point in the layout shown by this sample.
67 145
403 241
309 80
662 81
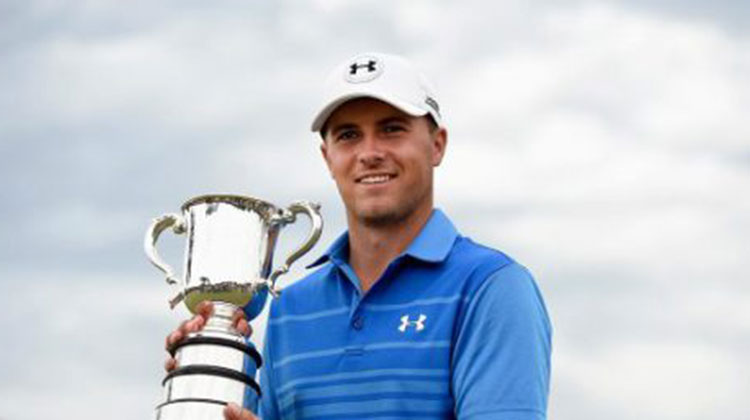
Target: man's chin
380 217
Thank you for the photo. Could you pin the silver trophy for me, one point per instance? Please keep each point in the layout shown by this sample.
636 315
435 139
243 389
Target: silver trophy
228 260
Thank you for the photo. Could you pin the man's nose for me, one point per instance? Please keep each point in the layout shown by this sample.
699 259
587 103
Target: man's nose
371 152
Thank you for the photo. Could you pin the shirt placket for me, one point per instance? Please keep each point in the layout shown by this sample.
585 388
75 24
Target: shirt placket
359 319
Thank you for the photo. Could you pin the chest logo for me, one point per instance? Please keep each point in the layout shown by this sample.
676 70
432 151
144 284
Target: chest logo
418 324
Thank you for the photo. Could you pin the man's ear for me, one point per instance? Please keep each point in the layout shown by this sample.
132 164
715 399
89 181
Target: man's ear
439 143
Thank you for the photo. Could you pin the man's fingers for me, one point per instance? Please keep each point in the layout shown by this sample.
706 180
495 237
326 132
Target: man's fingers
238 315
186 327
240 323
205 309
170 364
174 336
244 328
234 412
194 324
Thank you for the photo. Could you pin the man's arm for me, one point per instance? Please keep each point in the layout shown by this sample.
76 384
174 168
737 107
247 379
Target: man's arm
501 360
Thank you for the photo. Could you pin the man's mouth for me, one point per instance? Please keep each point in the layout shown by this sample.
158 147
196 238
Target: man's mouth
375 179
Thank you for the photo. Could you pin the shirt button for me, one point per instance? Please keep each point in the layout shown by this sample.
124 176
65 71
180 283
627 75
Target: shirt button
357 323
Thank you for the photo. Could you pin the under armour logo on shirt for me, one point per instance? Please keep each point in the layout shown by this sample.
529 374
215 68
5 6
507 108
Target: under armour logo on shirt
363 69
418 324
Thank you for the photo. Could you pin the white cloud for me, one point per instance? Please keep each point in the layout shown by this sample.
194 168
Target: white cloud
188 72
596 142
648 79
665 380
561 133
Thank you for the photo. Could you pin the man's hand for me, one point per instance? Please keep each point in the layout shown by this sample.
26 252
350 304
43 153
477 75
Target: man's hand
205 309
234 412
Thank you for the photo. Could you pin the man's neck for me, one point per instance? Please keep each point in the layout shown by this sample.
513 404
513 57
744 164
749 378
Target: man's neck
372 248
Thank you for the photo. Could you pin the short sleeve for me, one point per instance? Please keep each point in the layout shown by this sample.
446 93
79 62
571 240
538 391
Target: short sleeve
501 359
268 408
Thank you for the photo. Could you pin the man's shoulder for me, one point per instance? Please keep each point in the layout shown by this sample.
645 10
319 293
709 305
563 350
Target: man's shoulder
480 262
315 279
297 296
472 254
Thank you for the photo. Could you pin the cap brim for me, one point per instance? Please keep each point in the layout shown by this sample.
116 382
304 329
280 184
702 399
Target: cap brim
331 106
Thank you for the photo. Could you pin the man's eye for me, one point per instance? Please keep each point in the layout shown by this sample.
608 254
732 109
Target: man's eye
393 128
347 135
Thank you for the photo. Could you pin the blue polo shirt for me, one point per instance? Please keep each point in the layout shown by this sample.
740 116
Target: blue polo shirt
452 329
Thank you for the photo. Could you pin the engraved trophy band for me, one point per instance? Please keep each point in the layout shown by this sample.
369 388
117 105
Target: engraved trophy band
228 261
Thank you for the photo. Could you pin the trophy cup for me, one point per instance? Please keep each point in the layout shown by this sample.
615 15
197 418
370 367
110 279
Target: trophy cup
228 260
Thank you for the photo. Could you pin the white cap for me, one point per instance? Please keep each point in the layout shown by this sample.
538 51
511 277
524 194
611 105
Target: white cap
389 78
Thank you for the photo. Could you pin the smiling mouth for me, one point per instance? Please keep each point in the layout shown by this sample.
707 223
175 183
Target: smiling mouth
375 179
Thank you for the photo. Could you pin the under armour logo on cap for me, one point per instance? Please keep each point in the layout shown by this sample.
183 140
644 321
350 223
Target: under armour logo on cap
370 66
363 69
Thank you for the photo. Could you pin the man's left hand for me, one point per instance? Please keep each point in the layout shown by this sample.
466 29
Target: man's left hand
234 412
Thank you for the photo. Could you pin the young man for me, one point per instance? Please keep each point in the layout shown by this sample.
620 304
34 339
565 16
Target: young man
403 317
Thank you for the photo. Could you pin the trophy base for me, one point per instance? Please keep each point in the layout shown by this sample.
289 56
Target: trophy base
191 410
197 409
215 366
203 395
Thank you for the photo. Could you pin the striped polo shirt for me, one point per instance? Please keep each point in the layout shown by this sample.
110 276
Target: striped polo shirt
451 329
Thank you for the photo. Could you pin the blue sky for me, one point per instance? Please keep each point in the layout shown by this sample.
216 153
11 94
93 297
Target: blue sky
602 144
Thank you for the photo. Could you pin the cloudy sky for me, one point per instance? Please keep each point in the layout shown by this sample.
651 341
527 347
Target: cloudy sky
601 144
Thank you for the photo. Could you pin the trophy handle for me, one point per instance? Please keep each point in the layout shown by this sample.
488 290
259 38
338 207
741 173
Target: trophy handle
159 225
312 210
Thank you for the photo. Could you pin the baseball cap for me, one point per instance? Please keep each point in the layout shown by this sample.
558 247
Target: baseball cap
389 78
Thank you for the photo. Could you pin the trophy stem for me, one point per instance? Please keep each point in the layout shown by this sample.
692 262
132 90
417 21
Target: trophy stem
221 318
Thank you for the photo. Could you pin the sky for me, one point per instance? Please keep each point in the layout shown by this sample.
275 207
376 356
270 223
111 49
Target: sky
599 143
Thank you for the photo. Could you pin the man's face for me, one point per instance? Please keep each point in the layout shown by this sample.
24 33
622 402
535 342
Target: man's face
382 160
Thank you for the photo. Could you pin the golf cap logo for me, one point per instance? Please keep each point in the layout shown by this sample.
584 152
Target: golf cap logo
432 103
363 69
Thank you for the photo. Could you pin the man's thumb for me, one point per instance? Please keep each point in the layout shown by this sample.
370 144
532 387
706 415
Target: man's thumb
234 412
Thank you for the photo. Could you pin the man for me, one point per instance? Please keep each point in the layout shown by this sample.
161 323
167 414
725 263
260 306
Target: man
403 317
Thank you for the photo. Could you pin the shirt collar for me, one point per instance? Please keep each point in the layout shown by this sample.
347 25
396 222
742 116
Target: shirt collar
433 243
